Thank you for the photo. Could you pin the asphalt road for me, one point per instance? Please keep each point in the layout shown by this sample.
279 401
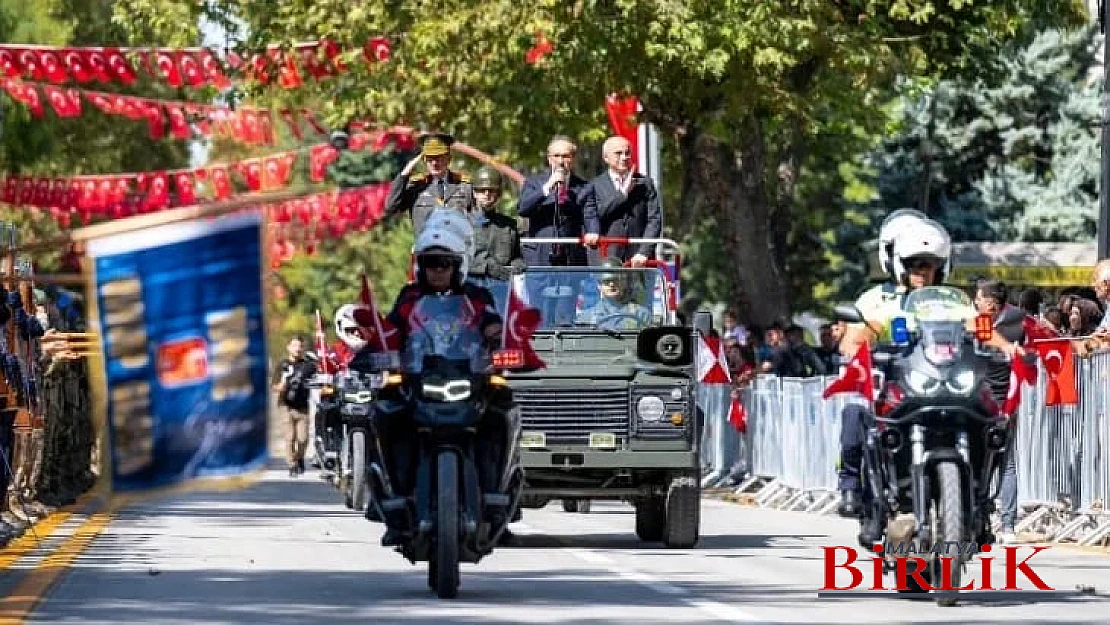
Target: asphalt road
287 551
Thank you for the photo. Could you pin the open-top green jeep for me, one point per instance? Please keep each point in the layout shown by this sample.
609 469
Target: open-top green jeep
613 415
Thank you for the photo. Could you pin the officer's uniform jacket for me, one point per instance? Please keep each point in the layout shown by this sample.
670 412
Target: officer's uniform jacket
419 196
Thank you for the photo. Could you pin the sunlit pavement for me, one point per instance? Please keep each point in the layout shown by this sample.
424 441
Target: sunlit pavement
287 551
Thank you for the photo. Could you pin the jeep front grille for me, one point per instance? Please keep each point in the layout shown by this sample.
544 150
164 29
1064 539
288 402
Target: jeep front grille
567 416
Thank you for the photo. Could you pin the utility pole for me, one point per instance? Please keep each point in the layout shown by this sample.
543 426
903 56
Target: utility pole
1103 233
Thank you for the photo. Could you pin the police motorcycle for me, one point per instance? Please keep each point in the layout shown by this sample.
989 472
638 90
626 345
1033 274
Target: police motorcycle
445 384
355 391
937 440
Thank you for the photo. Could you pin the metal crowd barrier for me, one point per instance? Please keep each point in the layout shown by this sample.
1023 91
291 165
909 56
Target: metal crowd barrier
787 459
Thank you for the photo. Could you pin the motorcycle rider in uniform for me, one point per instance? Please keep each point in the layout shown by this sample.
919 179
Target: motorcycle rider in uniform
919 256
442 265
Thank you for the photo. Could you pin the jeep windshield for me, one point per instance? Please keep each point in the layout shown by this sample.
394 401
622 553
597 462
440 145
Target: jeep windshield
591 298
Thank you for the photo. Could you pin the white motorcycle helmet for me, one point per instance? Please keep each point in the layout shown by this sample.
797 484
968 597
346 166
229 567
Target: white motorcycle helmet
455 221
928 239
892 226
347 329
439 240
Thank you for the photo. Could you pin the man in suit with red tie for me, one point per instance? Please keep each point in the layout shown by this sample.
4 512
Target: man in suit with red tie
553 202
622 203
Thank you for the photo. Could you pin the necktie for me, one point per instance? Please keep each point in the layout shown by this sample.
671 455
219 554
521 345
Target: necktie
563 194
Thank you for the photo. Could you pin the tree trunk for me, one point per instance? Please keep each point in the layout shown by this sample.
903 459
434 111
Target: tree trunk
728 183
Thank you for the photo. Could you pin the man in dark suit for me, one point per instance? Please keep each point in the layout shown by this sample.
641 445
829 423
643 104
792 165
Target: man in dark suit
622 203
439 186
552 202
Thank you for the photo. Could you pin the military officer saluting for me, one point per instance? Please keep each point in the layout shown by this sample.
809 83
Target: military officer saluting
421 194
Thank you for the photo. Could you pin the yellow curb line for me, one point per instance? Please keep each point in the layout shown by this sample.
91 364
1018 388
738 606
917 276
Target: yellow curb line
31 539
19 604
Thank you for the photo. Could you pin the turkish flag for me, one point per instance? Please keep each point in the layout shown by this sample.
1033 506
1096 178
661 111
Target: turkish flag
856 377
1020 371
622 119
288 75
52 66
190 68
251 169
66 102
119 66
213 70
378 331
77 64
310 59
276 170
376 50
737 414
1059 365
96 63
179 124
517 327
9 63
186 188
319 157
167 67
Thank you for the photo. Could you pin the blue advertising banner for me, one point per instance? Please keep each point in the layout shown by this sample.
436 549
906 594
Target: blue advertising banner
179 309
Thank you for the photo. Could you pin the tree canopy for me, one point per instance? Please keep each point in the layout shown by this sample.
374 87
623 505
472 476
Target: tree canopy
760 102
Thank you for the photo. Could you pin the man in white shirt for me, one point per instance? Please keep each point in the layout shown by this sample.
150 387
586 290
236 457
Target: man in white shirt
622 203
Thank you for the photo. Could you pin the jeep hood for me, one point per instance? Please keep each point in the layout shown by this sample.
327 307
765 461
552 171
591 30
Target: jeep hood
585 355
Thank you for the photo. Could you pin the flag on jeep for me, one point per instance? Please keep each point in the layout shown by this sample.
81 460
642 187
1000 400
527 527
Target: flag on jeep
519 324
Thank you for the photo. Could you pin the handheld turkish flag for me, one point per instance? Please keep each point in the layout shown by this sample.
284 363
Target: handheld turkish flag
856 377
518 325
384 334
325 363
737 414
1020 371
1059 365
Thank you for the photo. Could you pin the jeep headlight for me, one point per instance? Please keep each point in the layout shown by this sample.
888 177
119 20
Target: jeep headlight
650 409
920 384
961 381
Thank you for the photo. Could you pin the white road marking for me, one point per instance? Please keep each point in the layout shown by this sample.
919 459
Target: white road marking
716 609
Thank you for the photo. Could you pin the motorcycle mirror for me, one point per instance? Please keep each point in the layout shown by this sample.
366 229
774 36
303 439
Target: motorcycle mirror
984 328
1011 315
849 313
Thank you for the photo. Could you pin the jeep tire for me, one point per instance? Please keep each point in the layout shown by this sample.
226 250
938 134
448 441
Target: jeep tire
651 519
683 513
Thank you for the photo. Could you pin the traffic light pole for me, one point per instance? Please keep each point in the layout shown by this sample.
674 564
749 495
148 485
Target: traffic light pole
1104 190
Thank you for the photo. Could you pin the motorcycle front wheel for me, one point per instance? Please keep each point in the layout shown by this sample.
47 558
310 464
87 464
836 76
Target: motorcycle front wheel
446 565
948 524
358 470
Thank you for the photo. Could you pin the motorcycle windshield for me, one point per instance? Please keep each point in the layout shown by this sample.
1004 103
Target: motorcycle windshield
941 315
444 328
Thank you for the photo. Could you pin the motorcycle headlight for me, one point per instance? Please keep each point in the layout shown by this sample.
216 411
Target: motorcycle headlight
920 384
356 410
455 390
961 381
360 397
650 409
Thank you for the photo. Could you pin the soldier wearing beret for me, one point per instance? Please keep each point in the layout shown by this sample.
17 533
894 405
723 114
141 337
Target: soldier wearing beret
420 194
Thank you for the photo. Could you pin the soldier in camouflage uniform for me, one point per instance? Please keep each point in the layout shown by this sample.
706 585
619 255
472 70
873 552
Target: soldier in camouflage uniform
420 195
496 237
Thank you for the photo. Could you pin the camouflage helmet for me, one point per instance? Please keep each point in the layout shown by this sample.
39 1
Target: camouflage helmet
487 178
